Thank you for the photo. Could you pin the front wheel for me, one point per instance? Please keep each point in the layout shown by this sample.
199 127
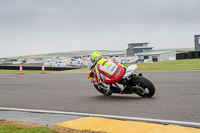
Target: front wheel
103 91
147 85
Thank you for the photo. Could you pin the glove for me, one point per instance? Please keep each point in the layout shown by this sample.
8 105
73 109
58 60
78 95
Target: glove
96 83
92 80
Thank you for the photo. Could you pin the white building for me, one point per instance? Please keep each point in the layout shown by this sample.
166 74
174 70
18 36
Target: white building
158 56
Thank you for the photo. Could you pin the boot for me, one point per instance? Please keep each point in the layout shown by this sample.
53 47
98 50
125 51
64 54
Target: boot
114 89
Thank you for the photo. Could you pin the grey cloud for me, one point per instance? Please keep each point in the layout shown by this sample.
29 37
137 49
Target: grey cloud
106 23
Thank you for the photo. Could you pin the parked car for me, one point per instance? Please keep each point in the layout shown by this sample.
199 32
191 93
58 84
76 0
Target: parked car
148 60
48 63
16 62
140 61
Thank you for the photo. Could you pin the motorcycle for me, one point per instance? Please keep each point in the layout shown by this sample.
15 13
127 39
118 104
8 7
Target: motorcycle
130 84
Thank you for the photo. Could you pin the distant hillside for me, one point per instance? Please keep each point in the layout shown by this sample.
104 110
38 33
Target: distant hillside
66 54
82 53
178 50
78 53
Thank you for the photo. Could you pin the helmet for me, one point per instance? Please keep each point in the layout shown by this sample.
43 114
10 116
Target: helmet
95 56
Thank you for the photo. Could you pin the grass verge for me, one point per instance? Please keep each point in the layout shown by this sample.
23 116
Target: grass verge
20 127
14 129
188 64
3 71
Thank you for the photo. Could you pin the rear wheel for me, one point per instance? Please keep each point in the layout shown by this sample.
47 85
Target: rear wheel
102 91
148 87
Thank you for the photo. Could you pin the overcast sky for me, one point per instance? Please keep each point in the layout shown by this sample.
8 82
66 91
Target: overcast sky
44 26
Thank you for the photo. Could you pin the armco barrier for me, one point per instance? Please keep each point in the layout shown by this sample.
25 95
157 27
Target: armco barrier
197 54
183 55
38 68
178 57
189 55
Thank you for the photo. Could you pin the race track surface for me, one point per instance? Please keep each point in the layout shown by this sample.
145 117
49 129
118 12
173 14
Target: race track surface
177 95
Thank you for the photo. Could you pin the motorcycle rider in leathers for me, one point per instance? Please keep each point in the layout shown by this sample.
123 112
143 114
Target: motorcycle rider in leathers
106 69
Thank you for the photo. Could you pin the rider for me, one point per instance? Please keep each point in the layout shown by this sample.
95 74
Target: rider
106 69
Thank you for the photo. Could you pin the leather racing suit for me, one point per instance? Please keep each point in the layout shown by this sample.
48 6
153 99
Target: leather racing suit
108 71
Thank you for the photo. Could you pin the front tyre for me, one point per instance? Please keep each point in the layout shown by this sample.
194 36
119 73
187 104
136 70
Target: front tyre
149 89
103 91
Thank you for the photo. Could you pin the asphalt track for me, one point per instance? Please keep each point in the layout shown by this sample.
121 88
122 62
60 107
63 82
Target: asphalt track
177 95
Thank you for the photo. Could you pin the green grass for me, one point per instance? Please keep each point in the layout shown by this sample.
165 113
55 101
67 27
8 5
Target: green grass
13 129
3 71
189 64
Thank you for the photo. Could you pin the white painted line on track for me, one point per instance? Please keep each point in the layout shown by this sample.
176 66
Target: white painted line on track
106 116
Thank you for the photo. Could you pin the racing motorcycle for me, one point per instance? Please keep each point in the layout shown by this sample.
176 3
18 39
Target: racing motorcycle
130 84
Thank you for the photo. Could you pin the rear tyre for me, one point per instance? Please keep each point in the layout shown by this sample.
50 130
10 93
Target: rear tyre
103 91
145 84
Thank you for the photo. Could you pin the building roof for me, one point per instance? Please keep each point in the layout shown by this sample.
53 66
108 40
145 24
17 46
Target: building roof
114 53
140 43
140 47
155 53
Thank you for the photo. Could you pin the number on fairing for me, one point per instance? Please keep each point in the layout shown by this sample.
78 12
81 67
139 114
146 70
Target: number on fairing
113 68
